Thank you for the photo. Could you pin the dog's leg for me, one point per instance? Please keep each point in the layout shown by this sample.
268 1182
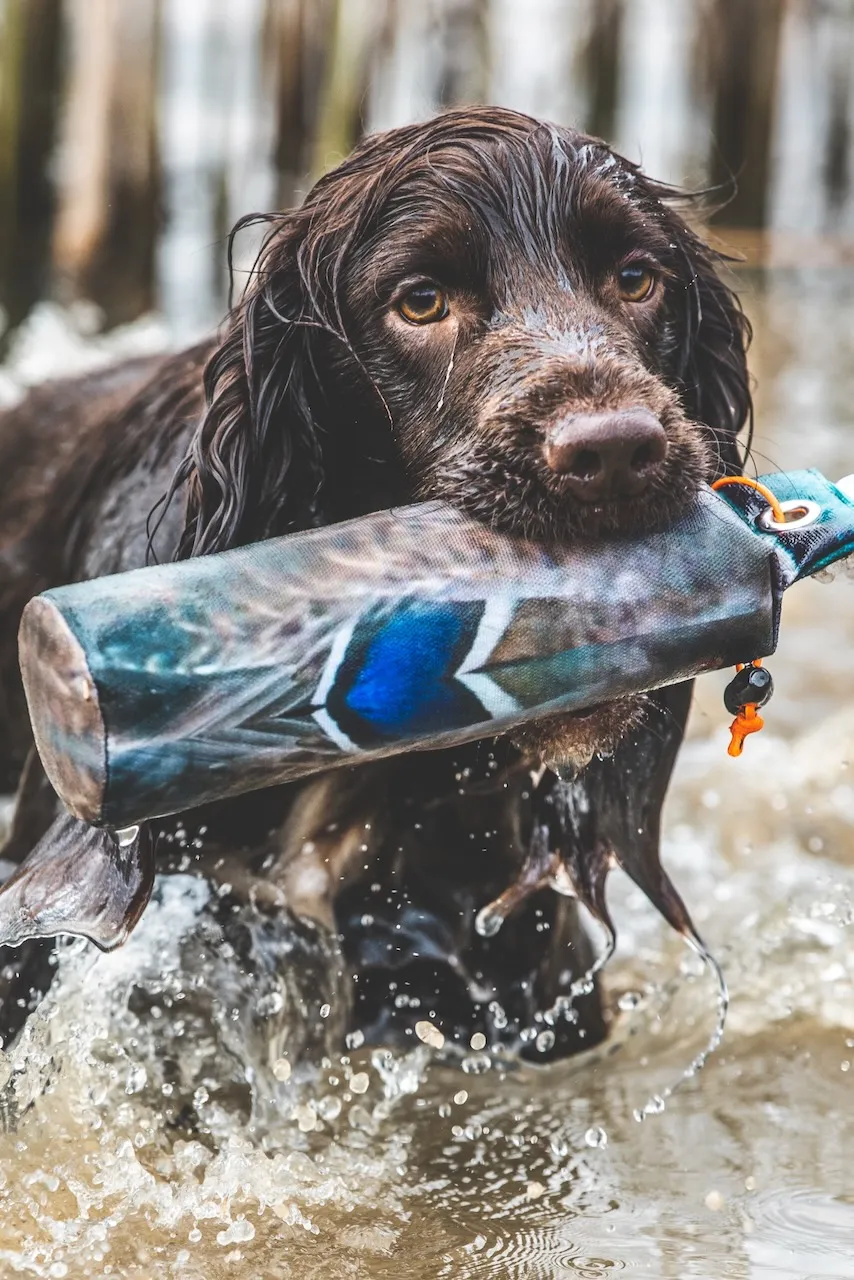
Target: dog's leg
612 811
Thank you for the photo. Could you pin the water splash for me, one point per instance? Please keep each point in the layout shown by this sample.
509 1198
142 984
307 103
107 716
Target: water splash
655 1105
584 985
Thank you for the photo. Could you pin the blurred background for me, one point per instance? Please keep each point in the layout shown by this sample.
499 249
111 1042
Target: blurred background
132 135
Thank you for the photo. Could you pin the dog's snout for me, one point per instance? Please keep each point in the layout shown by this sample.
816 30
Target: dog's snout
607 455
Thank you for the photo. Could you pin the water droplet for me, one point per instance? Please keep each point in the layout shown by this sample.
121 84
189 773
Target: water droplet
429 1034
329 1108
360 1118
273 1002
596 1137
137 1077
478 1041
476 1064
359 1082
325 1010
499 1017
534 1190
461 1097
306 1117
488 921
545 1041
282 1069
239 1230
354 1039
629 1000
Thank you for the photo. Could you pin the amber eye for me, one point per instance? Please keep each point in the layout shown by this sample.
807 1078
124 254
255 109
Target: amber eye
423 304
636 281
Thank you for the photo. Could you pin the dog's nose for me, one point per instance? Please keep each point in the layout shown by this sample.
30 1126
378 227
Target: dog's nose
607 455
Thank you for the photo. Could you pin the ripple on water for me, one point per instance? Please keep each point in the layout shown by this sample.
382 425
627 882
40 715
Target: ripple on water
797 1232
526 1252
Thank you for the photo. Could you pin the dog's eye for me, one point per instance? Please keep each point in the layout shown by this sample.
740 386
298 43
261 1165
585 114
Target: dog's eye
636 282
423 304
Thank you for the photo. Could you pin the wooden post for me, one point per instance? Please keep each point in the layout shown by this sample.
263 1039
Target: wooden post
104 237
602 61
744 38
30 50
298 34
339 119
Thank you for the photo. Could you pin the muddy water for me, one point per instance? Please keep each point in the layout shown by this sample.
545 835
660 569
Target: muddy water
408 1166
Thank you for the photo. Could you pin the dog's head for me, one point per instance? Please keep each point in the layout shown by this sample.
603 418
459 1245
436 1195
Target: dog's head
486 309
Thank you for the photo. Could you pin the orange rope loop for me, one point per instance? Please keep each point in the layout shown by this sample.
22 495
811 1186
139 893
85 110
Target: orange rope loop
776 510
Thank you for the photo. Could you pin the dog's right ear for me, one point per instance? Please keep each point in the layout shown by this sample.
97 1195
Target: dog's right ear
254 465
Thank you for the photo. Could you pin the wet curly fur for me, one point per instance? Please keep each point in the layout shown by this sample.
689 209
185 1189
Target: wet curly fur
318 403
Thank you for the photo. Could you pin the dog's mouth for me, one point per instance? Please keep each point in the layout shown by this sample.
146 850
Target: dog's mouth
568 742
503 478
526 502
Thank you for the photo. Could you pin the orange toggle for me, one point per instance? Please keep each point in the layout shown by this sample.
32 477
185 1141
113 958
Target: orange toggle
746 722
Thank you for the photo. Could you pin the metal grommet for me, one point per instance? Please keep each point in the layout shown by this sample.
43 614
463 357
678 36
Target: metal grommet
799 513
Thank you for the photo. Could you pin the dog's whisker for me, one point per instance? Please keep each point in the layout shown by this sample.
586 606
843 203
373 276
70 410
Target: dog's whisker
448 373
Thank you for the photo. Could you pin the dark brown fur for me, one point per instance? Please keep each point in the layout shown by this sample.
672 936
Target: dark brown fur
318 403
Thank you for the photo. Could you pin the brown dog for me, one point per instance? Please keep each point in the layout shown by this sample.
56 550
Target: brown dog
485 309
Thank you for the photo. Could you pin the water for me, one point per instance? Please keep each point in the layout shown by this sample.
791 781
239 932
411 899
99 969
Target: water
380 1165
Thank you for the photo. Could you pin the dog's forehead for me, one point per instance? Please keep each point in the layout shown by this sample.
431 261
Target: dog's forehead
507 210
508 177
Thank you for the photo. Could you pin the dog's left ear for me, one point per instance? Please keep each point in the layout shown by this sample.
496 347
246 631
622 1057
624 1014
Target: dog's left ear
712 372
254 466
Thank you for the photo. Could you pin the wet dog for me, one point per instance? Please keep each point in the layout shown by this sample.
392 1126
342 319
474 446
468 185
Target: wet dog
484 309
